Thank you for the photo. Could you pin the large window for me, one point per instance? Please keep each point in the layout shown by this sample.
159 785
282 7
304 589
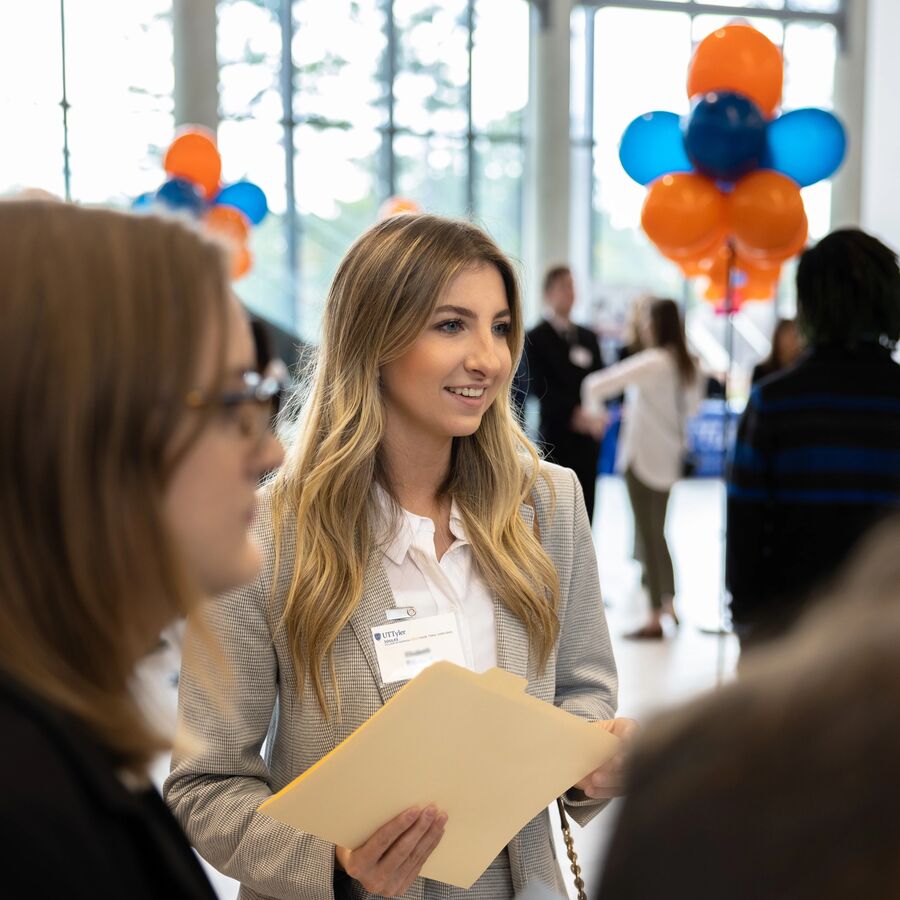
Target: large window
372 99
632 58
331 106
86 97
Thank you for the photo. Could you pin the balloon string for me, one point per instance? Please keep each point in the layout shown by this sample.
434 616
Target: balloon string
730 266
730 269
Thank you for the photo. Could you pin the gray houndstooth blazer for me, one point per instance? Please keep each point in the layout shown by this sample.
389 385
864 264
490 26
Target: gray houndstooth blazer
215 792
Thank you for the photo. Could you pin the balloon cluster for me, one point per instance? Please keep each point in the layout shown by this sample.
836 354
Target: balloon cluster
194 167
397 206
723 197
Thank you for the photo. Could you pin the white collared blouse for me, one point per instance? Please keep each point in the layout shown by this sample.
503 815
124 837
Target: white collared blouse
431 586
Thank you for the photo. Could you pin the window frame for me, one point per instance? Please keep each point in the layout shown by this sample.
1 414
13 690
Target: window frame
387 165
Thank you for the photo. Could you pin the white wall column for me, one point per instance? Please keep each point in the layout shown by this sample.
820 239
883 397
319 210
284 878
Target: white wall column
547 188
881 132
196 65
849 105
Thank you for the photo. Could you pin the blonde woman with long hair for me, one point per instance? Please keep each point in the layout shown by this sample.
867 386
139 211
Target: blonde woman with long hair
409 485
133 430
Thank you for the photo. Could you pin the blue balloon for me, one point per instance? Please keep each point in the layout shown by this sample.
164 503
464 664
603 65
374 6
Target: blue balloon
181 194
144 201
245 196
725 135
806 145
652 145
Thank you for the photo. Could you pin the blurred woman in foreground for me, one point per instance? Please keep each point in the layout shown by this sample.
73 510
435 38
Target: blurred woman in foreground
133 429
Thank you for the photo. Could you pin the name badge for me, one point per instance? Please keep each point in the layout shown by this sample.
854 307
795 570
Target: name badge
580 356
406 648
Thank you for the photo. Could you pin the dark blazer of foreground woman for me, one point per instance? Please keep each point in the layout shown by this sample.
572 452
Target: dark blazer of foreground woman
69 827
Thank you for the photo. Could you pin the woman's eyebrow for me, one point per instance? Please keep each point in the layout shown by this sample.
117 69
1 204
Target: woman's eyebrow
467 313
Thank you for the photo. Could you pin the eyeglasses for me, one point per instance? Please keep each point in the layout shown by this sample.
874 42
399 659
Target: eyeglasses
252 411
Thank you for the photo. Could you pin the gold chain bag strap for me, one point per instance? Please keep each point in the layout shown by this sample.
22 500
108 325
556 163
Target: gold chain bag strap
563 818
570 849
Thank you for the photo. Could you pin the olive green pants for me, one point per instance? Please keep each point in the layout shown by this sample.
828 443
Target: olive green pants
649 508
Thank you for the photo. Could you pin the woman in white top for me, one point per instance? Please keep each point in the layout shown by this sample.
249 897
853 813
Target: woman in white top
409 486
662 389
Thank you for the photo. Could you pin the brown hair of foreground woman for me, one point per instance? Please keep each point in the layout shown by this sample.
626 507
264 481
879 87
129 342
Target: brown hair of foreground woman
93 359
131 450
784 783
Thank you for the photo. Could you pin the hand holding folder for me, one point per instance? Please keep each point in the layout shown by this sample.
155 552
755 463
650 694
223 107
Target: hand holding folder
475 745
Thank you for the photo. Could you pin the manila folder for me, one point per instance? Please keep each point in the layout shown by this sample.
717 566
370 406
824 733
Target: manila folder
476 745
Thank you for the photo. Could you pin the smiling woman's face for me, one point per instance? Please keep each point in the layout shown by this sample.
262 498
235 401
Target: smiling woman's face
445 382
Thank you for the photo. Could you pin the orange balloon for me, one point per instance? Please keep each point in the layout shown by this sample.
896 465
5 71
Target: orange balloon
738 58
716 264
765 211
713 291
684 215
773 258
241 262
229 222
716 271
395 206
693 266
757 267
759 287
713 272
193 155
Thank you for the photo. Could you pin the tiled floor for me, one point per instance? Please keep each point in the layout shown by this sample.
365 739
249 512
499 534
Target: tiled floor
652 675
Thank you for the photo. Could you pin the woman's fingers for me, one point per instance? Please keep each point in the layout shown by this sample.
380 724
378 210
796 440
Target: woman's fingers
408 873
623 728
361 863
369 854
612 773
398 854
392 857
609 779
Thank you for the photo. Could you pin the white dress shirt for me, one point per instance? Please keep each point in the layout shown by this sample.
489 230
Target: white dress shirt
657 405
433 586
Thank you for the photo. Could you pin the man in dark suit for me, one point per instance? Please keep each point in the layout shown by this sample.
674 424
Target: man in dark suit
558 354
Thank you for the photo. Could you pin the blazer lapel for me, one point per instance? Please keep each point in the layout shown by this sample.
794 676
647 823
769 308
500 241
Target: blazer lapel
377 597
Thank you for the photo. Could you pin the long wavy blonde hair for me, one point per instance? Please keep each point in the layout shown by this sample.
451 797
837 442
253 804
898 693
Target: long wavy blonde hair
380 301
